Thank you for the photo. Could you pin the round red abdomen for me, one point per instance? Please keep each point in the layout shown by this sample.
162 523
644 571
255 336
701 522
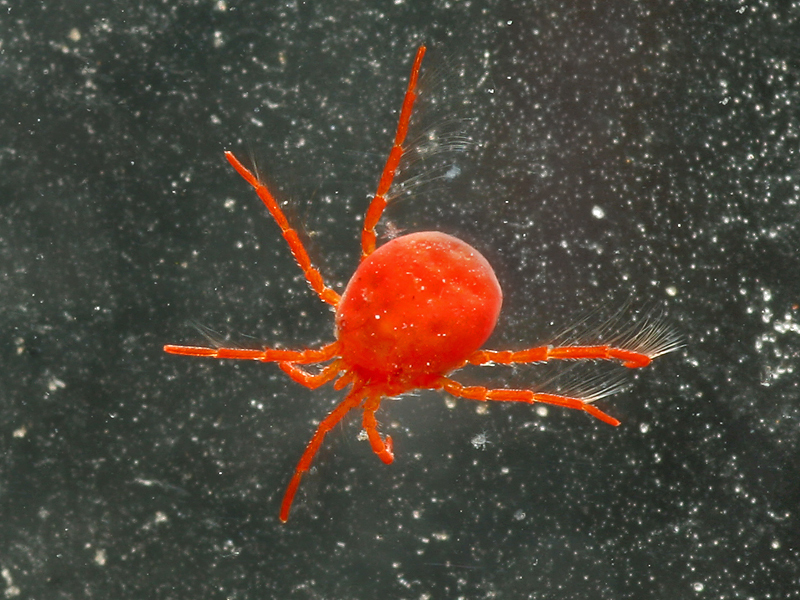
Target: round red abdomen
417 306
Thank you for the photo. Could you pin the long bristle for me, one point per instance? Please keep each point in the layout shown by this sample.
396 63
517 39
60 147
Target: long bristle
589 382
214 339
653 336
439 130
646 331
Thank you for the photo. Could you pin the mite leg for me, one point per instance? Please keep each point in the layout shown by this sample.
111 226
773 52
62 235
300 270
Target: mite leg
635 348
307 356
378 203
313 276
310 380
528 396
352 400
628 358
379 447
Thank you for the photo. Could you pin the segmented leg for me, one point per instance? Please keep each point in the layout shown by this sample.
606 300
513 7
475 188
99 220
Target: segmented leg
352 400
307 356
629 358
313 276
528 396
380 447
378 203
310 380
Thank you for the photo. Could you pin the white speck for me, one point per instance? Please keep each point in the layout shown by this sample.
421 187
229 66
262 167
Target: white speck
698 587
644 427
480 440
452 172
671 291
598 213
55 384
11 591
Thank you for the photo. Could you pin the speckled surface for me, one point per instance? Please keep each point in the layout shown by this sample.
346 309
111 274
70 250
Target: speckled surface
643 154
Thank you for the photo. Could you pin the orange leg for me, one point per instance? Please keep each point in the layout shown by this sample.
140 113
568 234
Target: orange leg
629 358
313 276
635 348
483 394
346 379
379 447
352 400
309 355
310 380
378 203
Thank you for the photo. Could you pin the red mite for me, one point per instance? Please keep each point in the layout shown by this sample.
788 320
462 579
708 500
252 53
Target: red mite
417 309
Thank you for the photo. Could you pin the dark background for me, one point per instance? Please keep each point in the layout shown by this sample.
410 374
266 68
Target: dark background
128 473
